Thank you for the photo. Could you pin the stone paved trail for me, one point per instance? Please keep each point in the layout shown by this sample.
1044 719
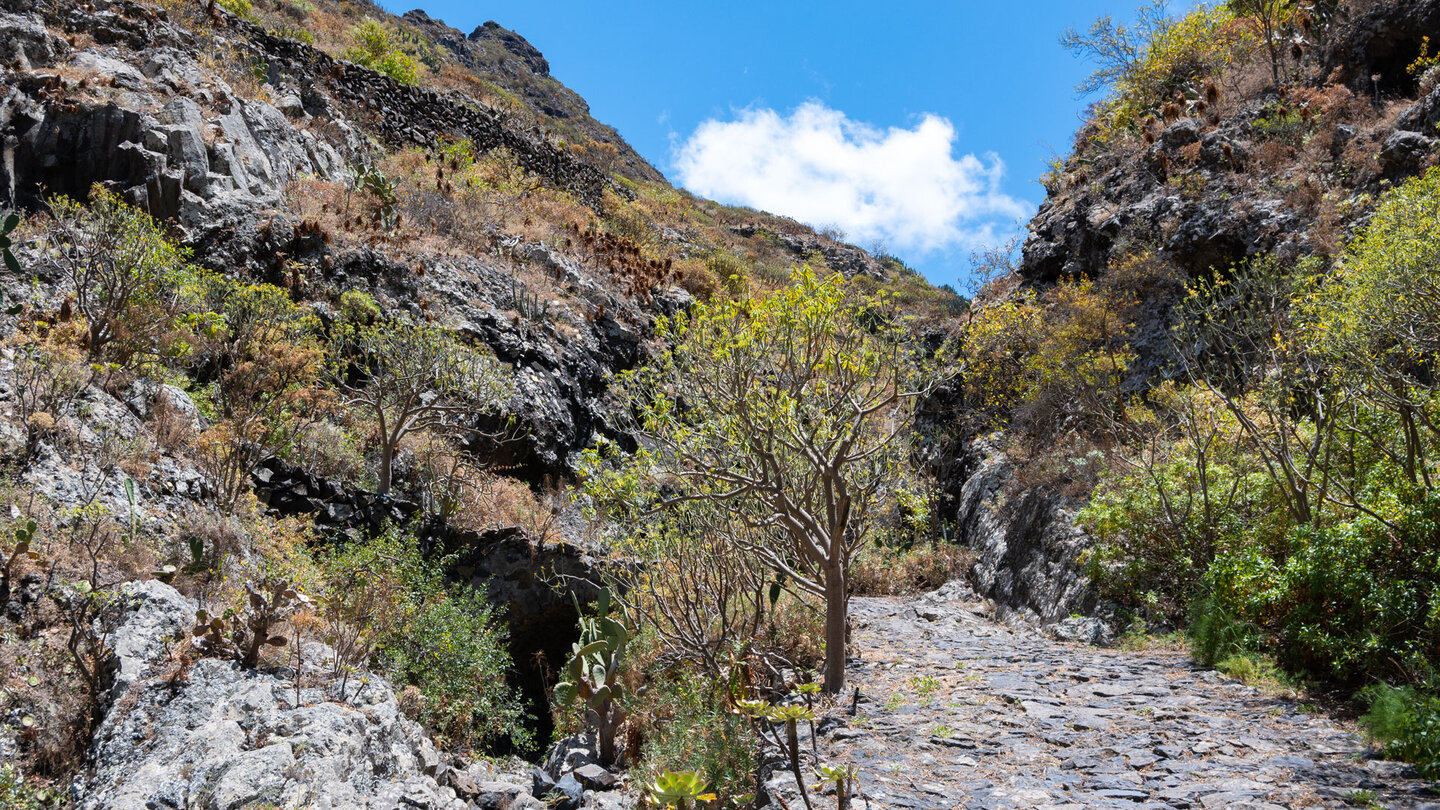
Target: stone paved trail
959 712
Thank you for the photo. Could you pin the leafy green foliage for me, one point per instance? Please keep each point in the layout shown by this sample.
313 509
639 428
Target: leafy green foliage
1358 598
243 9
410 376
15 794
1217 635
1281 493
454 651
687 727
1117 50
780 413
1407 722
130 283
267 362
1053 352
1169 505
358 307
375 48
443 639
1177 57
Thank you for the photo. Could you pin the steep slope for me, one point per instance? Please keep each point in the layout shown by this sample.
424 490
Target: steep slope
479 200
504 58
1228 170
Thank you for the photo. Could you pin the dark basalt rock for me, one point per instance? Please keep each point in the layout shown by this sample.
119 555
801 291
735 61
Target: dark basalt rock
516 573
1381 42
1404 153
515 44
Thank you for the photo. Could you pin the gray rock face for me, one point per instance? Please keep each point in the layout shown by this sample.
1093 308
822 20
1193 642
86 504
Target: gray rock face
1423 117
218 737
1404 153
27 44
175 140
1028 545
1181 133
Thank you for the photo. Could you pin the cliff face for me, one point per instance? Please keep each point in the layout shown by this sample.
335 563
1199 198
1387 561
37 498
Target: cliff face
1259 171
506 58
1213 189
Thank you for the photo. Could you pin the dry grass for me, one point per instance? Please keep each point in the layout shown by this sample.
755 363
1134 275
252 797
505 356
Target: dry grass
921 568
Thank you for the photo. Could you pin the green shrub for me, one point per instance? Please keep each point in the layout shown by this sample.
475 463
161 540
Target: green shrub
376 48
1176 61
454 651
1161 517
1406 721
358 307
1217 634
15 794
240 8
130 284
1358 597
686 726
443 639
1251 669
294 32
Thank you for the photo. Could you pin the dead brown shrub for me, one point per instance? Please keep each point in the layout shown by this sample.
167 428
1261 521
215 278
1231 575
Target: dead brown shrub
1270 156
896 572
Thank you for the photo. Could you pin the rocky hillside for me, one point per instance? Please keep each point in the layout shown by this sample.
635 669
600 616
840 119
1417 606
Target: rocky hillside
215 197
318 439
1228 169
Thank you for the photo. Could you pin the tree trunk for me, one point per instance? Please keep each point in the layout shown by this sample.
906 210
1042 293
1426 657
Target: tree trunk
387 460
835 614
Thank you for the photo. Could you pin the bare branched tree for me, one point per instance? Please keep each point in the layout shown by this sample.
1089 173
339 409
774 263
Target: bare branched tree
409 377
1115 48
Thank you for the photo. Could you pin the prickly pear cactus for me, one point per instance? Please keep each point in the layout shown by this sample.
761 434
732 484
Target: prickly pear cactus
592 674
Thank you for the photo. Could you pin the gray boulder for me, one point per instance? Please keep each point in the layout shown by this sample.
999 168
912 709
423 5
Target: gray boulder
1404 153
219 737
1083 630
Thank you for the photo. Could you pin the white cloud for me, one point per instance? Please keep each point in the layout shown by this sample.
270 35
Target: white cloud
903 187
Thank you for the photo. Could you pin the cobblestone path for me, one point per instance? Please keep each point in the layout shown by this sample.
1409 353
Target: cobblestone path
957 711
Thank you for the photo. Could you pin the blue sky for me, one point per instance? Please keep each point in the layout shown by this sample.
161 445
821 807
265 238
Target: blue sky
890 121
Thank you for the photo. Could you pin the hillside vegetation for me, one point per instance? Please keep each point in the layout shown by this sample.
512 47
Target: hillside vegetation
1223 334
314 318
372 413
